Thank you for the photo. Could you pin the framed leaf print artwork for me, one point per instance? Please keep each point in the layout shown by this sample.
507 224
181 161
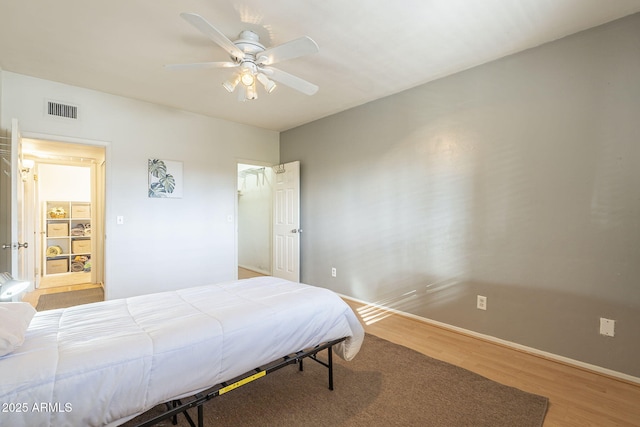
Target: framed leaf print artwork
165 178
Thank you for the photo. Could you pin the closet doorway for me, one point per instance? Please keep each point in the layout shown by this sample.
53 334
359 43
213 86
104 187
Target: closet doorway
254 218
64 212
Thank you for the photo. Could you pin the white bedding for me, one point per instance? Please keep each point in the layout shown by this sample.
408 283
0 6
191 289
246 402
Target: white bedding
102 363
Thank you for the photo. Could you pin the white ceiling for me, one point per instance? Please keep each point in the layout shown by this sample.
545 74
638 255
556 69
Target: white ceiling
368 48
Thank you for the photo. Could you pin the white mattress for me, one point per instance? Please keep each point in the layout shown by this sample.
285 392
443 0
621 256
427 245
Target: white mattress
102 363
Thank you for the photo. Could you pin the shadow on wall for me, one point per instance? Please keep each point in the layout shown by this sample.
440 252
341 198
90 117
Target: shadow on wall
565 324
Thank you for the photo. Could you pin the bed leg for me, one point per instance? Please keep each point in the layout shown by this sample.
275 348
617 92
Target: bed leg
300 366
330 357
201 415
174 419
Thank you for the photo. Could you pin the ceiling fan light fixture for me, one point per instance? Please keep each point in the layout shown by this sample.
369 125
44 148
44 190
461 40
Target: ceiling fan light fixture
269 85
242 93
253 59
251 93
230 85
247 78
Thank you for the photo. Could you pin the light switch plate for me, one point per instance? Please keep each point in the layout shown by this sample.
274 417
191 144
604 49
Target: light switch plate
607 327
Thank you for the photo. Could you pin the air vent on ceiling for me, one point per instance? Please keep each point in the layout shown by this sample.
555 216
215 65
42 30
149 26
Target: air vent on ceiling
62 110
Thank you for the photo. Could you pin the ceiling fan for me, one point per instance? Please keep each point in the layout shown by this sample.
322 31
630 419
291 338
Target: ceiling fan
253 60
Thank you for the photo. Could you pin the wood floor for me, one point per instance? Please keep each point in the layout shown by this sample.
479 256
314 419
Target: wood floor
577 397
243 273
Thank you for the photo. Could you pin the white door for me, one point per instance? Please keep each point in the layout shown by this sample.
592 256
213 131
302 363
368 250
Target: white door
286 221
18 236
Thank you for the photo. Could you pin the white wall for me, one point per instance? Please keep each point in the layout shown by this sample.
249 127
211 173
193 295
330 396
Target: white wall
164 243
64 182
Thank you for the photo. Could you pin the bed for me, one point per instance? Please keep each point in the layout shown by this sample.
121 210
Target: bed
104 363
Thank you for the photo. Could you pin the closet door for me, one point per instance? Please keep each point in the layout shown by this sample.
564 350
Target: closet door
17 244
286 221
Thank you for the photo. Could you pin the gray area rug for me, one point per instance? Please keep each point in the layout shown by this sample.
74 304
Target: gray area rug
385 385
68 299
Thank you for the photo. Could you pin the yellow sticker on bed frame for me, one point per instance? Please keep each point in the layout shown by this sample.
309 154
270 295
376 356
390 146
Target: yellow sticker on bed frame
242 382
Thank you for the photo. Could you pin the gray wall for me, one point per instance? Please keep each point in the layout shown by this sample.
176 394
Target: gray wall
518 180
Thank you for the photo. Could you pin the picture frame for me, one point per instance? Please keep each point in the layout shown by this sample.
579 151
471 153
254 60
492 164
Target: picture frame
165 179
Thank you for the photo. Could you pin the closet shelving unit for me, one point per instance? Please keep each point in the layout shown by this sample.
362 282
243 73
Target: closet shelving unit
68 246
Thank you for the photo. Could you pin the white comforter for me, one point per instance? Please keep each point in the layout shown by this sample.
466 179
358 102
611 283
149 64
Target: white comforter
102 363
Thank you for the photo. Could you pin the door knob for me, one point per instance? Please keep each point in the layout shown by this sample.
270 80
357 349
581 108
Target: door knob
17 245
296 230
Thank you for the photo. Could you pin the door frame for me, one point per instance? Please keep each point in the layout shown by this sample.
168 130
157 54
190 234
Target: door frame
99 177
236 213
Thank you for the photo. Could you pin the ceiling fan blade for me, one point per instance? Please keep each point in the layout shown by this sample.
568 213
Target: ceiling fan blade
201 65
289 50
290 80
213 33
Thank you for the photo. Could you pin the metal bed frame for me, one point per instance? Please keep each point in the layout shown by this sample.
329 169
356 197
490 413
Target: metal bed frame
178 406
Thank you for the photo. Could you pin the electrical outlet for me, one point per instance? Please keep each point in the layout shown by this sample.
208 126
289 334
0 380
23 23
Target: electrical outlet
607 327
334 273
482 303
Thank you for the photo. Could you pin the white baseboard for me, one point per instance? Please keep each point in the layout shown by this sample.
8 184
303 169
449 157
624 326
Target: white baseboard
534 351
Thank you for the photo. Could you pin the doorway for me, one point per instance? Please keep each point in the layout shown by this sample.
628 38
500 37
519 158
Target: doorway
254 219
64 214
268 219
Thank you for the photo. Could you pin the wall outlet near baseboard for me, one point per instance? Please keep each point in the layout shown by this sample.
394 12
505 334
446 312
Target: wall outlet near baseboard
482 303
607 327
334 272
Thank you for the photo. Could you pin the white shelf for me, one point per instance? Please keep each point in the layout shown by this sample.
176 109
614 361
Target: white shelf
68 245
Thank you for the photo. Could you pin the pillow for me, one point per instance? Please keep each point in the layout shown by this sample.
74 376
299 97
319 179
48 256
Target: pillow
14 321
